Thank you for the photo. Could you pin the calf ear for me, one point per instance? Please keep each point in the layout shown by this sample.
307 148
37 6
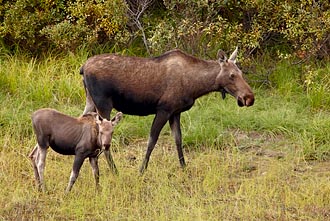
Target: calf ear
115 120
222 56
98 119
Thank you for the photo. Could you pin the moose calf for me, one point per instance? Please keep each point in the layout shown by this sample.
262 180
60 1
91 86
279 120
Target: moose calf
85 136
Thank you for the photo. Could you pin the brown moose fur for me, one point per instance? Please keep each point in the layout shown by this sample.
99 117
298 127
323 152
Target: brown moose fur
166 86
84 137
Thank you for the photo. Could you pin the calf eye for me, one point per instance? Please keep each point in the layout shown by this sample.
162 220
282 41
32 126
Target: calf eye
232 75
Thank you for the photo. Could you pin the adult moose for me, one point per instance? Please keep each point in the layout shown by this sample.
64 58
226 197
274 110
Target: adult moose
165 86
83 137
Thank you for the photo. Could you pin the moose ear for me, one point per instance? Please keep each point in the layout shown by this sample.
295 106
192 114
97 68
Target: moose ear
115 120
222 56
234 55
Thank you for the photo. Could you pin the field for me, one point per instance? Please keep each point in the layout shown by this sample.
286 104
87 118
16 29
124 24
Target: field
267 162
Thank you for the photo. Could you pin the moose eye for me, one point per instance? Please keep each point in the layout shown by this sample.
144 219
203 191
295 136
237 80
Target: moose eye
232 75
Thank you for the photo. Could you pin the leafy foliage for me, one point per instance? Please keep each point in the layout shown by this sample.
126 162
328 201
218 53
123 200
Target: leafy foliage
301 27
33 25
198 26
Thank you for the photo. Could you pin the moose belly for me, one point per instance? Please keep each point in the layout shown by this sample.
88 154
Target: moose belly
134 106
62 148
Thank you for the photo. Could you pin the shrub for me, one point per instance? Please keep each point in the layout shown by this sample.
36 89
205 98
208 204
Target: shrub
197 26
36 25
301 27
23 20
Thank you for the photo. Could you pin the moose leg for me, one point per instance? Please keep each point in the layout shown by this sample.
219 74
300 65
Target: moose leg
41 162
34 158
157 125
95 167
110 160
176 131
90 107
104 106
77 163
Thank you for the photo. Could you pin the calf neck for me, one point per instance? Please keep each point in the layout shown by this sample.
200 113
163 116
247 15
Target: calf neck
165 86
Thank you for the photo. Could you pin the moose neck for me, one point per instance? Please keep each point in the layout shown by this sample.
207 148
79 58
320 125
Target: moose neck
203 80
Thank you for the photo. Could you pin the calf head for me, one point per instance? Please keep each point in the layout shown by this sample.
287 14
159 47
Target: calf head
231 81
106 128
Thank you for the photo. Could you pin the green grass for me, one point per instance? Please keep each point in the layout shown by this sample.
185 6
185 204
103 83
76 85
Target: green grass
268 161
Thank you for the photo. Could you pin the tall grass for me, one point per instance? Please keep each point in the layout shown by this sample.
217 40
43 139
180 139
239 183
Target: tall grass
268 161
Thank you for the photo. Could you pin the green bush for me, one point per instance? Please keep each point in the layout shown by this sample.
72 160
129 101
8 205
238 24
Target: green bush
36 25
89 23
301 27
201 27
23 20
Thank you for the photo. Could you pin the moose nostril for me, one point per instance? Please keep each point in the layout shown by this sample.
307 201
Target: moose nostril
106 146
249 101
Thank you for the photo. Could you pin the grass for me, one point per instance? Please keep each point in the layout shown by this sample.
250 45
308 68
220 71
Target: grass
269 161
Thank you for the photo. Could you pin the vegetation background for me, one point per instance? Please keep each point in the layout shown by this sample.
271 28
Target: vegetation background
269 161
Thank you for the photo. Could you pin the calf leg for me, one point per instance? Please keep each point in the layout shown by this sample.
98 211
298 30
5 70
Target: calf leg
77 163
157 125
34 158
176 131
95 167
110 160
